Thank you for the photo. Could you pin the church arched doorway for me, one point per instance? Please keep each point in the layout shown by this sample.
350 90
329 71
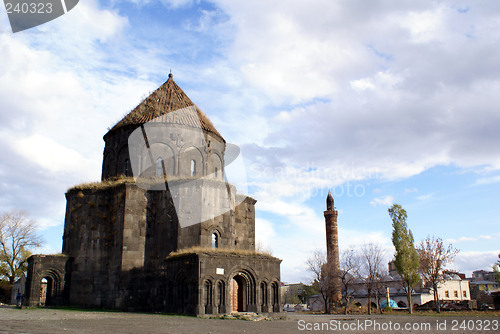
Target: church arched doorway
50 289
238 288
46 291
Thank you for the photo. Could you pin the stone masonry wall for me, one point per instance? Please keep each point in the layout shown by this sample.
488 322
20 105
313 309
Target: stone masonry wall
117 237
93 240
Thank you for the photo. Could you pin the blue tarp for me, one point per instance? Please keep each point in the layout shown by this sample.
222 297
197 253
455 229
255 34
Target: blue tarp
392 303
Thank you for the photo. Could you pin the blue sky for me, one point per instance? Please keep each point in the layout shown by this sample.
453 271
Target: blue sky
381 102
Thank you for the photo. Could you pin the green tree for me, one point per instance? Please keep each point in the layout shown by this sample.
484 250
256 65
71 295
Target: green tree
406 256
18 233
307 291
496 270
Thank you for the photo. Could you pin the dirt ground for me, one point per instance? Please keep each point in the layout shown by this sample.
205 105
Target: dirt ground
35 320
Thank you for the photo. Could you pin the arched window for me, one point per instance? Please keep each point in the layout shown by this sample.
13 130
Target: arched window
193 168
126 168
263 294
215 240
159 167
221 294
208 293
274 296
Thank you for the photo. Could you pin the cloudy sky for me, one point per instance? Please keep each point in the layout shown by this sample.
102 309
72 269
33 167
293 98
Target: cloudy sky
379 101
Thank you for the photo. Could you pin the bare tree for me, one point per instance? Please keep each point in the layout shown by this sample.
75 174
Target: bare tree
372 268
18 233
380 286
322 276
434 256
349 269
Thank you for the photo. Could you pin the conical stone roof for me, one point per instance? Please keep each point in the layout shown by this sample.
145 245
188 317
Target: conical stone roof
168 98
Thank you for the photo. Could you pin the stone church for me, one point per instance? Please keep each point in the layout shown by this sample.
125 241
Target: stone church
138 239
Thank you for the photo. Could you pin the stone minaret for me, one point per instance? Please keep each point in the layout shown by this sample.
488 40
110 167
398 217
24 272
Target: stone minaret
332 247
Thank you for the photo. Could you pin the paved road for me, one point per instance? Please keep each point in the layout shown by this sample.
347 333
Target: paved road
13 320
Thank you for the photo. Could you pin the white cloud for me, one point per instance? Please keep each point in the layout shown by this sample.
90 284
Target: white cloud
264 232
469 261
47 249
362 84
177 3
487 180
425 197
424 26
387 201
55 157
466 239
408 191
402 119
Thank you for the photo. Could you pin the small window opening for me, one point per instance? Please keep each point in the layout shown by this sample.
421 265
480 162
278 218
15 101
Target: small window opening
126 168
193 168
215 240
216 172
159 167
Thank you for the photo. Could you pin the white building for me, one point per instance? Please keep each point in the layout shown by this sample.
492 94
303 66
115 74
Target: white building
18 288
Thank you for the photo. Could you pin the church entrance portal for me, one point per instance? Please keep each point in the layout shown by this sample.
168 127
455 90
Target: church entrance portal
237 294
45 291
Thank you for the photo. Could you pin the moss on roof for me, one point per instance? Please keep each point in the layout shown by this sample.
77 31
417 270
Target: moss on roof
109 183
119 180
212 251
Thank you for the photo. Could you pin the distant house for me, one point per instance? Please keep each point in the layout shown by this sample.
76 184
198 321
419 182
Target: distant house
18 287
483 275
482 291
484 285
293 293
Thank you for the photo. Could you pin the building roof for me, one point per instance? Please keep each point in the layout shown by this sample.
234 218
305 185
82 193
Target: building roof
168 98
483 282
